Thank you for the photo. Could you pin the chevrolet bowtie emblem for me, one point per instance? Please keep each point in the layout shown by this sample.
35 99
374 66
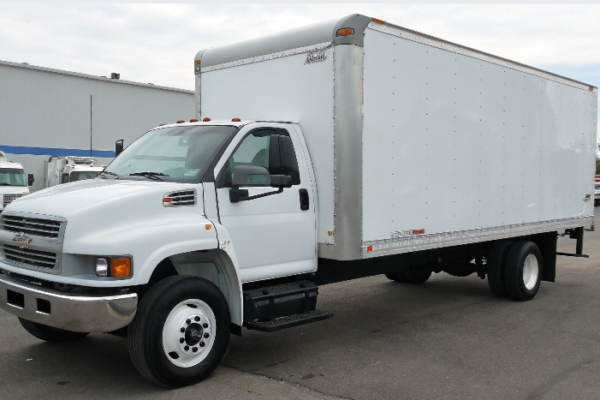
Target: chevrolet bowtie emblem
21 240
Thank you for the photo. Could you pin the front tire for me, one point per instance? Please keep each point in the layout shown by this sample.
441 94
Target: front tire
49 333
180 332
523 272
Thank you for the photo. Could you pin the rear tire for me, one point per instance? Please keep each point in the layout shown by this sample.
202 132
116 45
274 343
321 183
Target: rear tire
49 333
416 277
523 271
495 267
180 332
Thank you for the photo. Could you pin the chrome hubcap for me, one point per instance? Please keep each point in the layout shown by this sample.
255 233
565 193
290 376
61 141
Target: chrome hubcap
531 271
189 332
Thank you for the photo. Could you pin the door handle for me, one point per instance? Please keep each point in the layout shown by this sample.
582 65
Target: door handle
304 200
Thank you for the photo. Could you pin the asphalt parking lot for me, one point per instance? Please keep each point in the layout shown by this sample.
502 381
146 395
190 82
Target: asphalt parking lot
446 339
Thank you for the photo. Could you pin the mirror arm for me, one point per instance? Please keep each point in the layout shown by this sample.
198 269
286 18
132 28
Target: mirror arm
236 195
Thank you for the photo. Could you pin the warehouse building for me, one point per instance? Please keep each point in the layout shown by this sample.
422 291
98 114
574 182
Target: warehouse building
47 112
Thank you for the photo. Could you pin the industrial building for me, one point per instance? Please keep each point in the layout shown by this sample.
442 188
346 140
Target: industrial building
47 112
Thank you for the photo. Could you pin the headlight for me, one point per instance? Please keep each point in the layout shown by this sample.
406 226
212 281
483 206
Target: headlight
116 267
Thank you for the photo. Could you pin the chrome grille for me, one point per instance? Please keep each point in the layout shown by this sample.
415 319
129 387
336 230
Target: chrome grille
8 198
31 226
182 198
36 258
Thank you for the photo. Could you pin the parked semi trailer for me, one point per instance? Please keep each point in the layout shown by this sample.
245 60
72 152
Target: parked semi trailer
341 150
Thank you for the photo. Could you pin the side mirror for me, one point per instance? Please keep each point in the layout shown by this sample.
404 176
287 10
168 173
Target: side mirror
253 176
118 147
30 179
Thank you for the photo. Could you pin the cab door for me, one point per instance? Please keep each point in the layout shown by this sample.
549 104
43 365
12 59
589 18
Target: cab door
273 236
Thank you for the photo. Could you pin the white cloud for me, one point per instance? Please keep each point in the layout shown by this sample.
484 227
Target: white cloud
157 42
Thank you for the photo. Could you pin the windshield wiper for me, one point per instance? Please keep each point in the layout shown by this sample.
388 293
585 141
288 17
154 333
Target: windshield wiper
108 173
5 184
149 175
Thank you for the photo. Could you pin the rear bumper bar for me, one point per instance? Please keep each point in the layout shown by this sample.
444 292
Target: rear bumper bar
69 312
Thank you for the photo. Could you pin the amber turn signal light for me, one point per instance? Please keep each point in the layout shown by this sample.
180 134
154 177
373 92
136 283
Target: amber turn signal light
120 267
345 32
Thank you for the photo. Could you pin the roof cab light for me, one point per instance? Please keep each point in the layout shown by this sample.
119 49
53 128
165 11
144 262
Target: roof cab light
345 32
379 21
206 119
193 120
180 121
235 120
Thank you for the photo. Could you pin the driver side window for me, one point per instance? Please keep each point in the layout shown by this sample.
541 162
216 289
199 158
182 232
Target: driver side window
254 150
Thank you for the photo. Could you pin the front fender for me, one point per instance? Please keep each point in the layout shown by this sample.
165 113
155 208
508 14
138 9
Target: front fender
148 243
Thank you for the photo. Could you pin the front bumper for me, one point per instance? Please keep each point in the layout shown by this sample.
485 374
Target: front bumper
70 312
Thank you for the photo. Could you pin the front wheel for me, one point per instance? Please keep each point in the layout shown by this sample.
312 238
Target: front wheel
50 334
180 332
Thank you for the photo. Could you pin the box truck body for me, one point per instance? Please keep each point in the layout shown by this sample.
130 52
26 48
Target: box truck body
345 149
416 143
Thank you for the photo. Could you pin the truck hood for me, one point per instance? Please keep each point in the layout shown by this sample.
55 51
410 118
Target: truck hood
99 195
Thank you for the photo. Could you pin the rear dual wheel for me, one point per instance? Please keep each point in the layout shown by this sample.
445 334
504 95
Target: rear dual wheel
515 270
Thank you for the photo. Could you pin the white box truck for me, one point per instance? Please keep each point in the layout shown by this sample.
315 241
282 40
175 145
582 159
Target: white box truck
13 181
70 169
341 150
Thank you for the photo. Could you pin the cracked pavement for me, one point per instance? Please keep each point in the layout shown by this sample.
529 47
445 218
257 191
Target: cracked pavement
446 339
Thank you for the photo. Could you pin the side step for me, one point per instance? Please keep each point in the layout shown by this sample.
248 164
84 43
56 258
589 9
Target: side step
289 321
277 307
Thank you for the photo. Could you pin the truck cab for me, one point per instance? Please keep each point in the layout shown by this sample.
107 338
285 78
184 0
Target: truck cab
13 181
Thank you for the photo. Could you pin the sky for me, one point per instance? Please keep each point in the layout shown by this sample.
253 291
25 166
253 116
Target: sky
156 43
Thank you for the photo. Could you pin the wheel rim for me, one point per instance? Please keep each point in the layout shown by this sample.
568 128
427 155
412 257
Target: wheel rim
531 271
189 333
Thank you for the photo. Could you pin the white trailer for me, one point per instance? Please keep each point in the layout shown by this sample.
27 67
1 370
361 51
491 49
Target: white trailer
345 149
54 113
70 169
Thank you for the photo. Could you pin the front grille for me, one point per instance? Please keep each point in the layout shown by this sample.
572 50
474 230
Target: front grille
31 226
8 198
36 258
183 198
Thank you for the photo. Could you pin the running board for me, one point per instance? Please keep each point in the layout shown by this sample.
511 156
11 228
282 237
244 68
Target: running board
289 321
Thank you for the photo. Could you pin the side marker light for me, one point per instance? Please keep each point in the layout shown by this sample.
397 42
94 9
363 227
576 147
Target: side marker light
208 227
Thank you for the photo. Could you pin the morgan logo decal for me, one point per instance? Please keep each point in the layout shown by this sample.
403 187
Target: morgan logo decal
21 240
315 56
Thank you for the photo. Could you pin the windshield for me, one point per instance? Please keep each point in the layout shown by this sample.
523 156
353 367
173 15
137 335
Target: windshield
178 153
12 177
82 175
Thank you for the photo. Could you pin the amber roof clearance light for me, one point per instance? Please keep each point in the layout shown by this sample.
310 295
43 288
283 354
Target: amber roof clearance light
345 32
206 119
